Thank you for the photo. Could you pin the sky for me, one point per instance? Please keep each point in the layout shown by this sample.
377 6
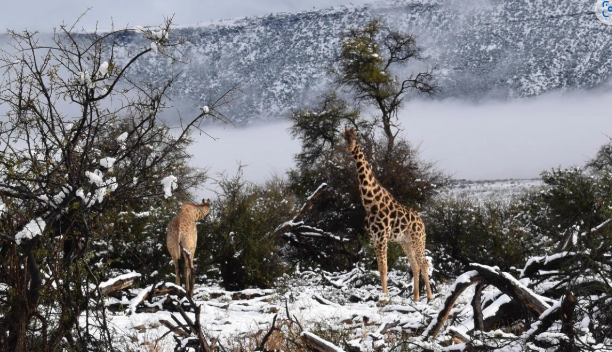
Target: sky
44 15
517 138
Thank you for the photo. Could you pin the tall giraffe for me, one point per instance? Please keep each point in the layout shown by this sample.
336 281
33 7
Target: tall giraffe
182 238
388 220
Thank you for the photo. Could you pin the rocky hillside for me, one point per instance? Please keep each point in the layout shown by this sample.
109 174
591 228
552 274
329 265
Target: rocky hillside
499 48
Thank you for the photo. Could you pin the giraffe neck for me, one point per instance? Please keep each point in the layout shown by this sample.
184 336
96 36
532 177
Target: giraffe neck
368 185
194 212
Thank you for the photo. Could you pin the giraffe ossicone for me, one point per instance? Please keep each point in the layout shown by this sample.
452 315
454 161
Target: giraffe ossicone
182 238
388 220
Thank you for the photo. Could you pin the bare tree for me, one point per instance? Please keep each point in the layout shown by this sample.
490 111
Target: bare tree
79 141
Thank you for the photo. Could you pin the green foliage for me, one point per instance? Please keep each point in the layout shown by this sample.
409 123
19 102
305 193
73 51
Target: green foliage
238 237
138 243
568 213
324 158
319 129
461 231
368 65
573 201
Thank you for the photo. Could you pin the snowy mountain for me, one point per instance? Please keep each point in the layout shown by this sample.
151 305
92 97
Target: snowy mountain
497 48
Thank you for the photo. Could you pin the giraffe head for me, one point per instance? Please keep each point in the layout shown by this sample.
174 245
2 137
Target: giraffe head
350 136
203 209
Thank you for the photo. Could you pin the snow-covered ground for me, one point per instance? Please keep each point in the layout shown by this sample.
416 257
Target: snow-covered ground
491 189
346 304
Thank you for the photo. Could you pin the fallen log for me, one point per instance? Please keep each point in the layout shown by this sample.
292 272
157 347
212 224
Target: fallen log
505 282
506 314
477 307
461 283
319 343
116 284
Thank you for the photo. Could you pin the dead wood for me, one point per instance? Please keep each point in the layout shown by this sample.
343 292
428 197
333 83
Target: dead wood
506 314
178 330
477 307
262 345
436 325
490 276
195 327
117 286
319 343
294 224
510 286
567 316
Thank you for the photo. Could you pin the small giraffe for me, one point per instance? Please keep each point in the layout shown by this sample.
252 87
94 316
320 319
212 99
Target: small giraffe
388 220
182 238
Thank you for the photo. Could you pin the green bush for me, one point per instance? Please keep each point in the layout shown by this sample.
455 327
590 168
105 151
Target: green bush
573 201
462 231
324 158
237 242
139 243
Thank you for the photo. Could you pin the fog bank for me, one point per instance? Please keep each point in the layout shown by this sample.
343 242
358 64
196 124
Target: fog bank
491 140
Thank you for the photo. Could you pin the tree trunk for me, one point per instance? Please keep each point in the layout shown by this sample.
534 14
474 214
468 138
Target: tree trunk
386 119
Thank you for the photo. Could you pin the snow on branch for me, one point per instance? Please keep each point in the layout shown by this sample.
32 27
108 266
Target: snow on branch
293 224
118 283
461 283
32 229
169 184
503 281
319 343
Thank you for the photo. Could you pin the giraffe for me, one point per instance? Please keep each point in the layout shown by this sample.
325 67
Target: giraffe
388 220
182 238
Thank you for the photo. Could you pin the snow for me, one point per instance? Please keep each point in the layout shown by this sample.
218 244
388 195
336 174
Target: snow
32 229
110 282
95 177
550 309
108 163
122 137
330 346
205 109
103 69
154 47
515 282
169 184
139 298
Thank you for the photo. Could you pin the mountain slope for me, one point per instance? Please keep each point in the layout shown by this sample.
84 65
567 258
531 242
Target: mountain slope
495 48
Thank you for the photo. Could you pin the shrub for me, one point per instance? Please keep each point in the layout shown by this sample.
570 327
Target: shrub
461 231
325 159
238 238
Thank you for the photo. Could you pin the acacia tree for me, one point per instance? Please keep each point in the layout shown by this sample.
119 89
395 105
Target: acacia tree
325 159
368 65
79 142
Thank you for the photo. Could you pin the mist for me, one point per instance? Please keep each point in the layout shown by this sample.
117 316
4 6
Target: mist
492 140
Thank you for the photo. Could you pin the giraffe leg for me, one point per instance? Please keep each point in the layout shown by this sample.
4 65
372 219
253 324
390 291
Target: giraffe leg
191 277
177 279
425 271
416 278
414 265
380 244
187 275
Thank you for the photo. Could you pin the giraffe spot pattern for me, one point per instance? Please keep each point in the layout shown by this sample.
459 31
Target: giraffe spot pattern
386 219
